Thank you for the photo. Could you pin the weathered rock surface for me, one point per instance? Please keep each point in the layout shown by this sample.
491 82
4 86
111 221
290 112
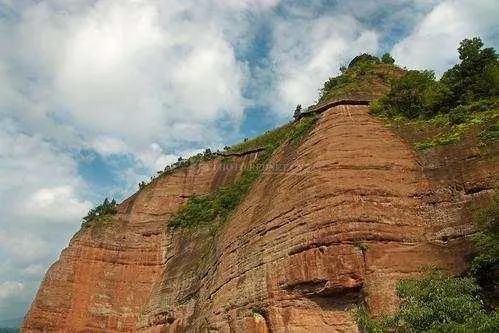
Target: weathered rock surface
104 277
335 222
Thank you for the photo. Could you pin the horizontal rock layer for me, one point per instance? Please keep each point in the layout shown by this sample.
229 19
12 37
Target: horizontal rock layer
334 222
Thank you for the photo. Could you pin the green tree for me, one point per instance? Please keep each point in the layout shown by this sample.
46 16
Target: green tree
363 58
485 264
387 59
297 113
105 208
435 303
412 95
475 76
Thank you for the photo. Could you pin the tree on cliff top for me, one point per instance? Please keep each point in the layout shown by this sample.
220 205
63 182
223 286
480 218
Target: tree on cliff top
417 93
363 58
476 76
105 208
297 112
387 59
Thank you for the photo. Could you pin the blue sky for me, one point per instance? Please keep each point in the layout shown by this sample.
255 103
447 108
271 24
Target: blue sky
97 95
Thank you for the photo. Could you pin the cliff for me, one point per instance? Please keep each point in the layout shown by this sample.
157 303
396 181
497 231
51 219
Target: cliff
333 222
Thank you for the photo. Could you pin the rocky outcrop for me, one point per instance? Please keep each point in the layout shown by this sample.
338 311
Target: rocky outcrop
104 277
333 222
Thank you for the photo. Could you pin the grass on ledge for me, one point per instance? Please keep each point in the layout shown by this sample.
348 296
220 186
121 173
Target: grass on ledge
451 133
272 137
101 214
449 128
216 207
101 220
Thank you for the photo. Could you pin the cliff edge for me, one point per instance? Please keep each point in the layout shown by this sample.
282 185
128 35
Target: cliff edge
335 221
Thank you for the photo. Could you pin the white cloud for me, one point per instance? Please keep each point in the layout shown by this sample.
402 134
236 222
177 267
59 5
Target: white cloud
101 70
34 174
248 4
433 42
10 288
47 202
106 145
41 204
24 249
34 270
306 51
156 158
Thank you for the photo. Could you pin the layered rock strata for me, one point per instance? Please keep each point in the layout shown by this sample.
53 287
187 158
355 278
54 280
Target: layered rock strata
334 222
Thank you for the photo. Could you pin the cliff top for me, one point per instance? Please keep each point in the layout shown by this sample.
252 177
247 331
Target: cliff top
366 77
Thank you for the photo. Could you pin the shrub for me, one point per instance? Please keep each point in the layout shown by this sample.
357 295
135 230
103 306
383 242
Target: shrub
302 128
105 208
435 303
216 207
387 59
412 95
269 138
365 75
471 83
485 264
458 115
297 112
334 83
490 134
363 58
475 76
482 105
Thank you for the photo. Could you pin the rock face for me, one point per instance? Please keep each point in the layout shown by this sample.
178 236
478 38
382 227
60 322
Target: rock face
336 221
104 277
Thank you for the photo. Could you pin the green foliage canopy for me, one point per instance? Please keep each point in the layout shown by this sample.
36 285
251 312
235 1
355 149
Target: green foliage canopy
387 59
435 303
485 264
216 207
105 208
417 94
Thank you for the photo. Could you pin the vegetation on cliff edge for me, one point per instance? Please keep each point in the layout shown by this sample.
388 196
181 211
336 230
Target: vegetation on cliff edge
216 207
435 303
101 213
366 75
465 97
485 263
440 303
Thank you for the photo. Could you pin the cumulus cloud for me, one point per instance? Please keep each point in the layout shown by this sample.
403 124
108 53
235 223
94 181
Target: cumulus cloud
41 204
11 292
46 203
102 69
10 288
35 175
308 50
248 4
433 42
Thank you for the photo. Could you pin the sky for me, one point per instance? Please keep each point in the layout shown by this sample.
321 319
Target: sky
97 95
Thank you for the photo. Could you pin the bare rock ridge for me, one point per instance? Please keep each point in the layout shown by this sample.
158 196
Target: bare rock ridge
340 219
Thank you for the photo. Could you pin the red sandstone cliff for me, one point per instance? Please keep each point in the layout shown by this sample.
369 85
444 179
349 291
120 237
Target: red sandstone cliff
355 211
